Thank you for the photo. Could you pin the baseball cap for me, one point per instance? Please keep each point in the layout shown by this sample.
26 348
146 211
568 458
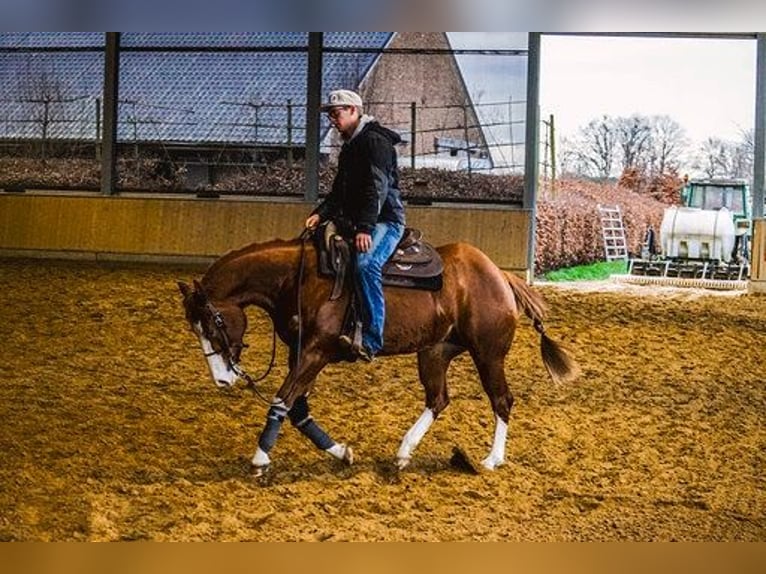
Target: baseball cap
338 98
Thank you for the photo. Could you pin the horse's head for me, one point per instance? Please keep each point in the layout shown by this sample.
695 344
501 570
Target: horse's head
220 329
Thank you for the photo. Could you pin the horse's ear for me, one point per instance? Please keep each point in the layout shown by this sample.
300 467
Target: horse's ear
198 288
184 288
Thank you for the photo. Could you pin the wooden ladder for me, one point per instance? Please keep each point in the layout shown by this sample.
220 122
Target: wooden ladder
613 232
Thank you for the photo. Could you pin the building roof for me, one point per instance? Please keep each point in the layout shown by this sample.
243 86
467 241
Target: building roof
235 96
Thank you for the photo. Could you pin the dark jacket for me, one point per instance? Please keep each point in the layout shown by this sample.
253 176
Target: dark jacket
366 188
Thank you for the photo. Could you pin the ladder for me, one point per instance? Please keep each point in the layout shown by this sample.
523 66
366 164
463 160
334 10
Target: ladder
613 232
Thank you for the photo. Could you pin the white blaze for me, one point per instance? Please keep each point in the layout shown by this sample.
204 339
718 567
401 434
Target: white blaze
219 368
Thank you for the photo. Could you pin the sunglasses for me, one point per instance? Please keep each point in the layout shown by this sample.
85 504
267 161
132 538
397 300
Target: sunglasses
334 113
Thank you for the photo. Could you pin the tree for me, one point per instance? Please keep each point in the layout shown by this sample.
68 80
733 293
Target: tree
596 147
667 146
714 158
634 136
743 156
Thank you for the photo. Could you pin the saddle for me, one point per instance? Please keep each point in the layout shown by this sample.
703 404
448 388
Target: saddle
415 264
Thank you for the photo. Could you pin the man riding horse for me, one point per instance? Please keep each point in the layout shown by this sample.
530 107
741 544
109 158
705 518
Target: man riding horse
365 203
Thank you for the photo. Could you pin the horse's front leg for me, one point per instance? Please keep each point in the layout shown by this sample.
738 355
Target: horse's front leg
301 418
291 401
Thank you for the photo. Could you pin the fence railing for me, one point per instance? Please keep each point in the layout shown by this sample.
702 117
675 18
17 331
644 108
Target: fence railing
451 131
200 143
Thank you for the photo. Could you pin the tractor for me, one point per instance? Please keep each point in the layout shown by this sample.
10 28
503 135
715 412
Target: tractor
705 240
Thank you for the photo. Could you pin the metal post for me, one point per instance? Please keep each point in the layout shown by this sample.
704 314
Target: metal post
289 134
109 135
98 129
413 133
465 135
510 129
531 144
46 121
552 139
313 101
759 169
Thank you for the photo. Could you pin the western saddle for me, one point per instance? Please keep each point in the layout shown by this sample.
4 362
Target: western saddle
415 264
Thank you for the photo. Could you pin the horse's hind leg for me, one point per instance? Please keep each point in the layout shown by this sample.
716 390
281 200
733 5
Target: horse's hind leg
432 368
492 375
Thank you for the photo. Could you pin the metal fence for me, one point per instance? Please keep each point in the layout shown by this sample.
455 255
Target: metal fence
225 133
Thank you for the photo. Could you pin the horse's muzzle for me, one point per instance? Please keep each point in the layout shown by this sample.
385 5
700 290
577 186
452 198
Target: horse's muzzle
220 370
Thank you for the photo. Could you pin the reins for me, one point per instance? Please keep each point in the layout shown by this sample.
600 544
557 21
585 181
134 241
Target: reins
305 234
239 371
250 382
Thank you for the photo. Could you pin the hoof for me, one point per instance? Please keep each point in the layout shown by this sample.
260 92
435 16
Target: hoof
259 471
402 463
491 463
348 455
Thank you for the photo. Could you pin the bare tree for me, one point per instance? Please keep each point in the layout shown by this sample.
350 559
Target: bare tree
713 157
667 146
633 135
596 147
743 156
45 99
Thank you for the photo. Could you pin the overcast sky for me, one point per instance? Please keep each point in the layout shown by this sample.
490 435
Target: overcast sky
707 86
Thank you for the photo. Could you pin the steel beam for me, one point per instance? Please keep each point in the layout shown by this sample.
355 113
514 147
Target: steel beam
759 157
109 126
531 148
313 101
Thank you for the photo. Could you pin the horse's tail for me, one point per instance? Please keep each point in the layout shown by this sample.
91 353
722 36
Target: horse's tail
560 365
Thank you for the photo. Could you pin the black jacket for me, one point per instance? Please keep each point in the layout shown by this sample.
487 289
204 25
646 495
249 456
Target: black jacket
365 190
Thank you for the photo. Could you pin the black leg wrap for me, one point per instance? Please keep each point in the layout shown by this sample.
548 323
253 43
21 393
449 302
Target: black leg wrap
315 434
301 419
299 411
270 432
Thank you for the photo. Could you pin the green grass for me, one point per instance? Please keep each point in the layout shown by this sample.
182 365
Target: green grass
592 272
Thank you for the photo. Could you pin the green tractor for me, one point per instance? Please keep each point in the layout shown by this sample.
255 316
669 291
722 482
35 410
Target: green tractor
734 195
704 242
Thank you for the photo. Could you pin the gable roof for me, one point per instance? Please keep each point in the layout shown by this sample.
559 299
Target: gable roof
234 96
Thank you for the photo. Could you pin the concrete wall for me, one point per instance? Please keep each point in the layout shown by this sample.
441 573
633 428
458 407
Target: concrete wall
191 230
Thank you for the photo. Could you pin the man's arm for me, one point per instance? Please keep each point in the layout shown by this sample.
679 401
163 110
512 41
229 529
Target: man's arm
375 186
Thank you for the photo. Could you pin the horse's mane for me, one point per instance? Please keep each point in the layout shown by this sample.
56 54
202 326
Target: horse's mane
234 254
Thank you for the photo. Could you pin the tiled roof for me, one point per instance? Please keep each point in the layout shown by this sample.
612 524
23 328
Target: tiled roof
191 96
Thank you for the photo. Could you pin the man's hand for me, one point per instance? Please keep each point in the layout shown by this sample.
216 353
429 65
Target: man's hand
312 221
363 242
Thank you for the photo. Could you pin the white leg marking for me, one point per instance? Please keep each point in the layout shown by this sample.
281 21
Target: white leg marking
413 437
342 452
261 458
497 454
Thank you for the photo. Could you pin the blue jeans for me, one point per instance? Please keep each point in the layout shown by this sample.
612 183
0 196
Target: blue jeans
369 266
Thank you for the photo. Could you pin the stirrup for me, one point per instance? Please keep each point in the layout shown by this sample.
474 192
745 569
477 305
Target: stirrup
364 354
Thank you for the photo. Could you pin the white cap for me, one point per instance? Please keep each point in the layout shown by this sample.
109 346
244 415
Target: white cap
339 98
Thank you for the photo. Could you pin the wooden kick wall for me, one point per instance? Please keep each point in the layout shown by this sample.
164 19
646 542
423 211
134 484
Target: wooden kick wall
187 229
758 266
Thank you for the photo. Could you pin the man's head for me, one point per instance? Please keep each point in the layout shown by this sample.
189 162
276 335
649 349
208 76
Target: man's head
344 108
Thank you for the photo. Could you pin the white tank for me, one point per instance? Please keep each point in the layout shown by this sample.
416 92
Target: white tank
692 233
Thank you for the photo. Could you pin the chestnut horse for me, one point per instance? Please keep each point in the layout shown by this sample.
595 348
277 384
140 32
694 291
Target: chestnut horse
477 310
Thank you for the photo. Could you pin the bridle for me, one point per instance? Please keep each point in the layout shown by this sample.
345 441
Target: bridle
223 335
229 347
